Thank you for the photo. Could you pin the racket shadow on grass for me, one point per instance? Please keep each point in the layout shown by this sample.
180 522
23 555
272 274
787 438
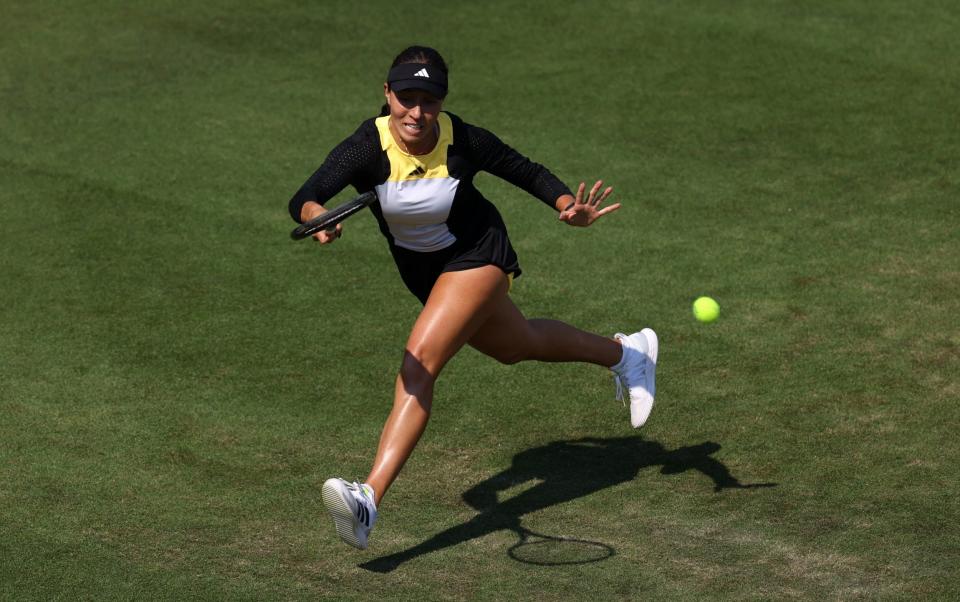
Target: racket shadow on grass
563 471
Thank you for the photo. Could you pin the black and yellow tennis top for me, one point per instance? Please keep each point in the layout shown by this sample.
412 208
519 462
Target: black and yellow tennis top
427 202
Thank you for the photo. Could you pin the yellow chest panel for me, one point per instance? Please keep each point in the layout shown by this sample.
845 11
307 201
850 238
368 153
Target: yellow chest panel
404 166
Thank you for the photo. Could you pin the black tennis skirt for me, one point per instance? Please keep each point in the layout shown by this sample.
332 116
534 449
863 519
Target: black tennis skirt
420 271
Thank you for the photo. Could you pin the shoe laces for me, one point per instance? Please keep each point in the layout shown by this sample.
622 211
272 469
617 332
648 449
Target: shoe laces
362 495
618 380
357 490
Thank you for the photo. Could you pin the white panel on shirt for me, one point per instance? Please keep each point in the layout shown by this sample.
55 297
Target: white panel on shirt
416 212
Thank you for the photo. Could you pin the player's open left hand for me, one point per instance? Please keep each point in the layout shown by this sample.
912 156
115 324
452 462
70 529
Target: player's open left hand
584 212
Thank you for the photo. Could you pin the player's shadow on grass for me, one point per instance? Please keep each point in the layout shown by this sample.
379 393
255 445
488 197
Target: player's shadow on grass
564 470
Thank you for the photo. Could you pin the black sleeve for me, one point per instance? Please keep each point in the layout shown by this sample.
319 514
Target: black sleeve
342 167
493 156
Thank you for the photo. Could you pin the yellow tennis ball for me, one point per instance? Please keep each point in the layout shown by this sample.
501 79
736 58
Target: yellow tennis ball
706 309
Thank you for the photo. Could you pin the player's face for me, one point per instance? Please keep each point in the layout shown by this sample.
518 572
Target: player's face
413 118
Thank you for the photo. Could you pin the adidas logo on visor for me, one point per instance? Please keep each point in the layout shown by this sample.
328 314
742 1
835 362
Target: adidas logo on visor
421 73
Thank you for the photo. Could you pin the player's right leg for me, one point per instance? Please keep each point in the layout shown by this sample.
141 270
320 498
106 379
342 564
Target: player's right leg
458 304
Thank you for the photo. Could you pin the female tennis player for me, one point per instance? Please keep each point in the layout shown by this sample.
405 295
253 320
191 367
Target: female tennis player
452 250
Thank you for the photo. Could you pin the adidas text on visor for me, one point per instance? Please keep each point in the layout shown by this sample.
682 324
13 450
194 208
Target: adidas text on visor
418 76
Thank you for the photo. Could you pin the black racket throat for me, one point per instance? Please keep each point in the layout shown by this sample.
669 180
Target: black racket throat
333 217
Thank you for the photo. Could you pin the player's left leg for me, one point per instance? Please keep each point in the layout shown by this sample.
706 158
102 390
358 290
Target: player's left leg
509 337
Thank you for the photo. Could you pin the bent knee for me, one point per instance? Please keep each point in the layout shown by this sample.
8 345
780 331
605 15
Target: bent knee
415 373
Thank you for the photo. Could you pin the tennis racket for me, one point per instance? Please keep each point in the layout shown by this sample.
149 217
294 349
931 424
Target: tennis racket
334 216
547 550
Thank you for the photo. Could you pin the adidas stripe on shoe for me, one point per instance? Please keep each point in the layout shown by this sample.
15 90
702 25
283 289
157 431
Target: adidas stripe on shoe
352 509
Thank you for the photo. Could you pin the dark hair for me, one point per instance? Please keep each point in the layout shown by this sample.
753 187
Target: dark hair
420 55
423 55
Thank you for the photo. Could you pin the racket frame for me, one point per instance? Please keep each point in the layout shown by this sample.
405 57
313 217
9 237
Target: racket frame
331 218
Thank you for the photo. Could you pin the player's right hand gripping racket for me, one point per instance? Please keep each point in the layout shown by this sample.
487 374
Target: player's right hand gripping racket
334 216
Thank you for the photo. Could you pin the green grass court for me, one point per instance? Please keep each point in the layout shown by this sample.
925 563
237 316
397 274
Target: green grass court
177 377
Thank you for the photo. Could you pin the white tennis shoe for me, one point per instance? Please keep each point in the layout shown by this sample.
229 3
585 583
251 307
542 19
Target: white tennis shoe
352 508
637 371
